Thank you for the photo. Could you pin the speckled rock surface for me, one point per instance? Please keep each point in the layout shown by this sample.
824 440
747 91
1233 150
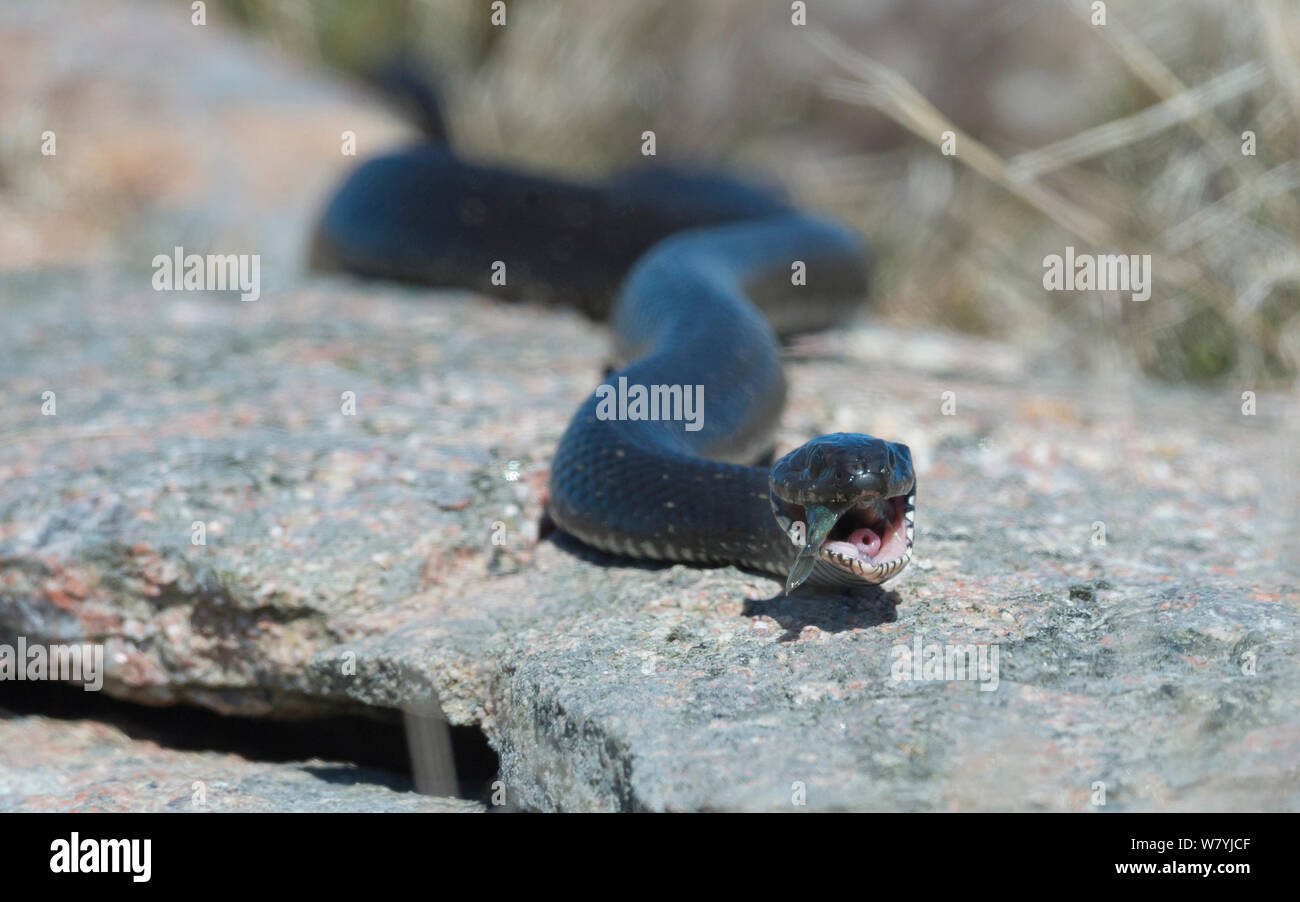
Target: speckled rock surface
78 765
1128 551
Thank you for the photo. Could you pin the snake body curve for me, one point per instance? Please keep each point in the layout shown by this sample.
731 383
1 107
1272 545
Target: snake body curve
694 272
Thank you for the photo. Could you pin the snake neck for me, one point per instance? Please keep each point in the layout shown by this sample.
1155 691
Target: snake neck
671 490
627 491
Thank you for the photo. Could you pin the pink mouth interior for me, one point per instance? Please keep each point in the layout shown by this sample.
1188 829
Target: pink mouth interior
869 545
862 542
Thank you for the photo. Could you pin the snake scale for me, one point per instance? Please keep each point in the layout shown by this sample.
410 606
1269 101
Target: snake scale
693 270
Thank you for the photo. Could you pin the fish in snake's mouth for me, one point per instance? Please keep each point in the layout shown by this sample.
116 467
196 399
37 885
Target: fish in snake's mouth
846 502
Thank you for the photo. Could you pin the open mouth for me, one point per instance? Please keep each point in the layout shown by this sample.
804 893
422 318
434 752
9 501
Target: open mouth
872 538
869 541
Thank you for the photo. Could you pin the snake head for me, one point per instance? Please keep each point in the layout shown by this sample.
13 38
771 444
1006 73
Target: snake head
846 502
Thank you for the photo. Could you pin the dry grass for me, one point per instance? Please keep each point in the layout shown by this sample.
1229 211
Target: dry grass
1158 97
1219 265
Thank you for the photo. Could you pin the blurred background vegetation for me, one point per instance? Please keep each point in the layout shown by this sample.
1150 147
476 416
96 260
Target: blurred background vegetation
1125 138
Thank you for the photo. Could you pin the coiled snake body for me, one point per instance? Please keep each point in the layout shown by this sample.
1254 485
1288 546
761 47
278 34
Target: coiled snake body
705 267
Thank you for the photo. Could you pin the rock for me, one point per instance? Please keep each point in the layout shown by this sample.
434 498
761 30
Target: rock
58 765
203 505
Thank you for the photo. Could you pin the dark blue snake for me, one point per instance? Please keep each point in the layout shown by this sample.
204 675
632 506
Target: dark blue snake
696 273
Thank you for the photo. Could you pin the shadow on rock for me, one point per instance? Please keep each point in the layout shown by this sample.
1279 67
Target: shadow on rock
828 610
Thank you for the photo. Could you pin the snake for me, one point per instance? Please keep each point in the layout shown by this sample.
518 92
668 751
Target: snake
701 276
